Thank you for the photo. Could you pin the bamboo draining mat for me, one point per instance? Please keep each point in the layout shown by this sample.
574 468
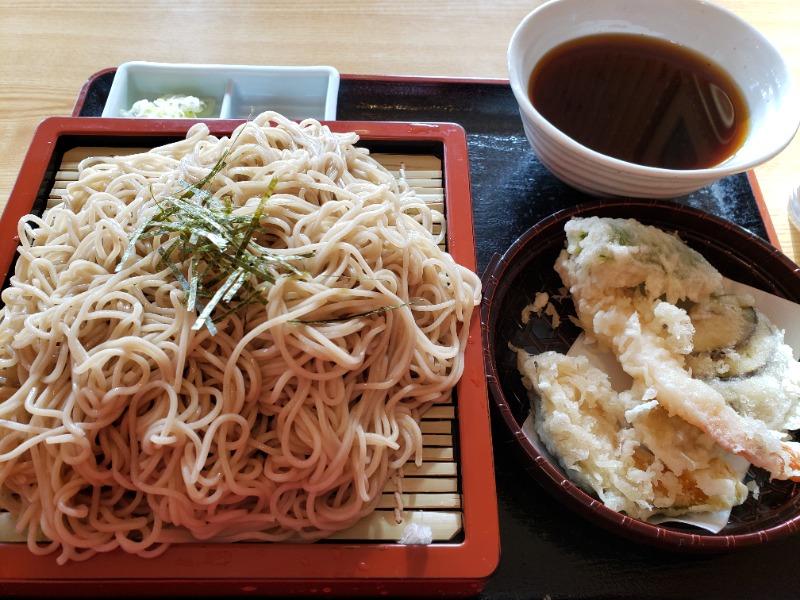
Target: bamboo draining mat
430 493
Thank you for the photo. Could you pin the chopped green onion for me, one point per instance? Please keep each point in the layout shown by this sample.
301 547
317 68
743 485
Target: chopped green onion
369 313
213 253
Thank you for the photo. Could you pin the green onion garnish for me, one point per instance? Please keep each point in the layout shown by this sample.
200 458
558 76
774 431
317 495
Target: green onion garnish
213 253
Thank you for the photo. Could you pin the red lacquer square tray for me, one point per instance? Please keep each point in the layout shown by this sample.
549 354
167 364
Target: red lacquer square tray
345 567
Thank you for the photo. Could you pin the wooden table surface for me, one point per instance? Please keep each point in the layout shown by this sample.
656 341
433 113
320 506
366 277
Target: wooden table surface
49 49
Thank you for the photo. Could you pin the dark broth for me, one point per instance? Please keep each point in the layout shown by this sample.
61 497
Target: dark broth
642 100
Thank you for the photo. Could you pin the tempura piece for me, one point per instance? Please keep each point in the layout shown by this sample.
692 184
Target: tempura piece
624 447
631 284
741 354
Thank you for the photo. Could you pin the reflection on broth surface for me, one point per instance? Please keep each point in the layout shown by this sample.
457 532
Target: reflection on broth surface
642 100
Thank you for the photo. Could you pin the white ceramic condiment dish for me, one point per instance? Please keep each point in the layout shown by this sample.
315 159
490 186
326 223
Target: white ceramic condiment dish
749 58
237 91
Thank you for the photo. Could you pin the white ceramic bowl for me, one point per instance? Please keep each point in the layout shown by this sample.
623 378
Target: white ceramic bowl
238 91
749 58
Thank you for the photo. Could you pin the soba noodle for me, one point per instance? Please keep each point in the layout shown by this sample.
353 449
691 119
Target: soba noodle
121 426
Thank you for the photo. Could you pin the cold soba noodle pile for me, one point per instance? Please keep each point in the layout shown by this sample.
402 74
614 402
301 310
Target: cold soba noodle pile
151 395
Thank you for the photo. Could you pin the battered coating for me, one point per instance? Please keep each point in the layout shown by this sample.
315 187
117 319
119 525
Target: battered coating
630 283
629 451
712 377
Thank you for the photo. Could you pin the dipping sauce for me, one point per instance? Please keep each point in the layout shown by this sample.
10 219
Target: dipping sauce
642 100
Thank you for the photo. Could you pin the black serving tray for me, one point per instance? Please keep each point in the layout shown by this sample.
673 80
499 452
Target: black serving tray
547 551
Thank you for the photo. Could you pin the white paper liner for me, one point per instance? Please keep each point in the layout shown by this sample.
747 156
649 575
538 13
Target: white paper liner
416 534
783 313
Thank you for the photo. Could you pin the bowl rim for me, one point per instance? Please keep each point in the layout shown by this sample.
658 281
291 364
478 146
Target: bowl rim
538 466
